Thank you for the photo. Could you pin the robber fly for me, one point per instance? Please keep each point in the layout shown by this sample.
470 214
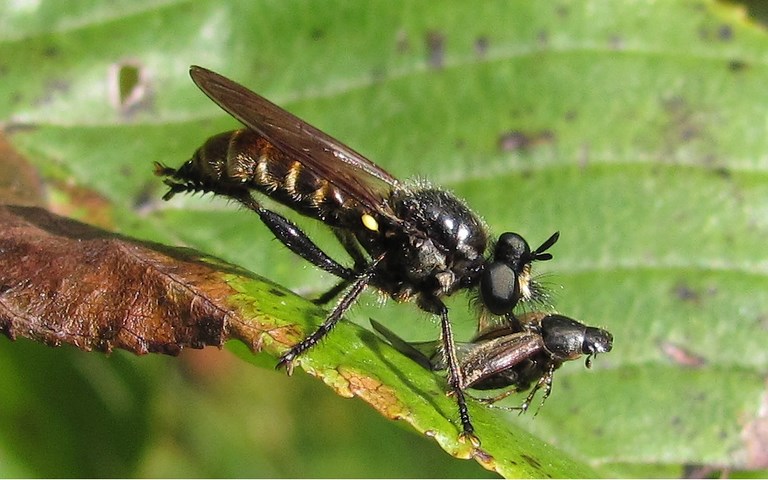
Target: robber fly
410 241
503 357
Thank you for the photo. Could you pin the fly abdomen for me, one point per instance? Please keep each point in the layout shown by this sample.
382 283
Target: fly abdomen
286 180
233 162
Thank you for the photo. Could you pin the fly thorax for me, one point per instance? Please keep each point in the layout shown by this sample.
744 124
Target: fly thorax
446 239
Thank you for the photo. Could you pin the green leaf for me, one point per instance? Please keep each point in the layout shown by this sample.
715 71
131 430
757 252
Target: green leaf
354 362
635 129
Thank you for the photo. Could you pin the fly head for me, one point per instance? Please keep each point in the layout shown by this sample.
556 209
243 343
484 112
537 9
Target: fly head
506 279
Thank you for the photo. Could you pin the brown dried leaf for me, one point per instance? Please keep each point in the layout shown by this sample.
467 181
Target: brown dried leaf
19 181
62 281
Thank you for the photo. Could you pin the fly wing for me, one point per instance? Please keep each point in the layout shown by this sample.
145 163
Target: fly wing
427 354
493 356
318 152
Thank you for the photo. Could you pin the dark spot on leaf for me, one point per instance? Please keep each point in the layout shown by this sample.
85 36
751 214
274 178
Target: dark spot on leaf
737 66
723 172
562 11
276 292
762 321
12 127
515 140
402 44
146 198
681 355
571 115
686 293
675 421
755 437
699 397
435 49
531 461
317 34
616 42
378 74
481 46
681 126
52 88
703 471
3 69
725 33
50 51
542 38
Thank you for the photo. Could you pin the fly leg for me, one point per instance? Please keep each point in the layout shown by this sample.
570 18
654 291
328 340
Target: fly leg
284 230
350 296
295 239
348 241
455 377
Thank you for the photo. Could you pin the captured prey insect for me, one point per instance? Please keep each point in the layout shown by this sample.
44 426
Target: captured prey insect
409 241
505 357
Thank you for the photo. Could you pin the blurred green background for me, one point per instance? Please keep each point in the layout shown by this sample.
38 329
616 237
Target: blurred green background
637 129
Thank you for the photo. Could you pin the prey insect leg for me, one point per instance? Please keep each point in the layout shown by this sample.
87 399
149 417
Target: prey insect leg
546 382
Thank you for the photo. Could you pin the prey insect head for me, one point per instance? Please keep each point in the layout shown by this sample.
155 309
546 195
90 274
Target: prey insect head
507 278
567 339
596 340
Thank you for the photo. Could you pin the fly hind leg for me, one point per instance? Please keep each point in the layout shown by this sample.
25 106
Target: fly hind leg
290 235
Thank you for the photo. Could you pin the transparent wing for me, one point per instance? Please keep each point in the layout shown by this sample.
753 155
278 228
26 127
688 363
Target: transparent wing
318 152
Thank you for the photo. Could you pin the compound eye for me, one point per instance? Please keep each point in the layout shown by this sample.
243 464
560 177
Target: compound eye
499 289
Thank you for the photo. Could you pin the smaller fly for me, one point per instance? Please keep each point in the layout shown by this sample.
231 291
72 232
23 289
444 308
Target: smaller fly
411 241
511 358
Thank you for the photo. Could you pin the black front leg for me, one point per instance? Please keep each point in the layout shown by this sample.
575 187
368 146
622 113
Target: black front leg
455 377
350 296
